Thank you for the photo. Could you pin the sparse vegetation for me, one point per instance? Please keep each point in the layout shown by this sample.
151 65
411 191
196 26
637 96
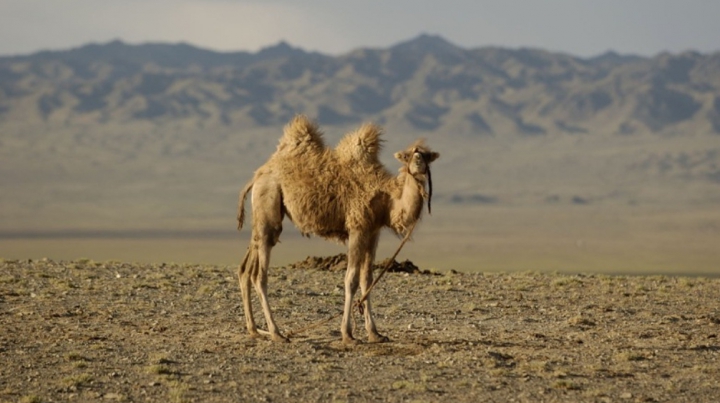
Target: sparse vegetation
77 380
177 392
566 384
75 356
159 369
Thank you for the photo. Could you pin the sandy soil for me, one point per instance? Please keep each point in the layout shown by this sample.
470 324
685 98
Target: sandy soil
110 331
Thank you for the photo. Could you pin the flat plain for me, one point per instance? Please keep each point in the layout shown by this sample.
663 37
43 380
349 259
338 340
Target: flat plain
111 331
535 304
607 239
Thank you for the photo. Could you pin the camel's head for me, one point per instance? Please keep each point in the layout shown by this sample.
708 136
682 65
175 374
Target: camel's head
416 160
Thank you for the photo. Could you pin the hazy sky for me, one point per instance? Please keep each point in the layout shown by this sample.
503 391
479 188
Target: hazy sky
579 27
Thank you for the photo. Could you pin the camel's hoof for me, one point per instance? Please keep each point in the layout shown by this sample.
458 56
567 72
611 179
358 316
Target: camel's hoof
279 338
378 338
350 341
254 335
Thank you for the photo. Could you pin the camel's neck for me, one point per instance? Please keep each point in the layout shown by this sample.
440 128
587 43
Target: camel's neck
407 205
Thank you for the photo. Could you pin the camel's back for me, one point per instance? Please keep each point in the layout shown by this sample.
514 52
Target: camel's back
328 192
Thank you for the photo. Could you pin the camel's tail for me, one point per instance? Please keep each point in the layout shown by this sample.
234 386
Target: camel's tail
241 203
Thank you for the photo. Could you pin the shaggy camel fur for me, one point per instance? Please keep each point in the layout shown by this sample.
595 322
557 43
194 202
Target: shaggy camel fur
344 194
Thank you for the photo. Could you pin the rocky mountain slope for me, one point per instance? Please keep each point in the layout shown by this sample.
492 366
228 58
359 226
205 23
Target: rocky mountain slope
425 84
163 135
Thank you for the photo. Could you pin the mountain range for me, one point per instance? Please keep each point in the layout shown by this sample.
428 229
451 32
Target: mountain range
149 136
424 84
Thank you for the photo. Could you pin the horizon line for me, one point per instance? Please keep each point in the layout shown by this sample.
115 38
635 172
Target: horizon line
286 42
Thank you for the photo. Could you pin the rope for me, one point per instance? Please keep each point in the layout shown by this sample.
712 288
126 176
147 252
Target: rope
364 297
385 269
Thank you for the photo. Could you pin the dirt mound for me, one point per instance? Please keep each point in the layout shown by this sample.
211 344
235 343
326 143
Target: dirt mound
325 263
339 263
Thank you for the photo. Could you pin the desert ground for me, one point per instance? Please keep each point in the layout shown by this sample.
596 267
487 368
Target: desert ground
111 331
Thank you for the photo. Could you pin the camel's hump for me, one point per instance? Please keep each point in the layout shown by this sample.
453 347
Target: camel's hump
364 144
302 132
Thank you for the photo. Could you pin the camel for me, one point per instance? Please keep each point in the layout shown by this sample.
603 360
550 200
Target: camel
343 194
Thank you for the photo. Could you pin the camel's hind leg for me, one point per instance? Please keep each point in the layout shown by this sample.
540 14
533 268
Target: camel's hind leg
245 270
267 226
260 281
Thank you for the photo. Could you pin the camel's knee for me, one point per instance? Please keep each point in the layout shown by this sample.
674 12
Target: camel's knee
352 281
366 276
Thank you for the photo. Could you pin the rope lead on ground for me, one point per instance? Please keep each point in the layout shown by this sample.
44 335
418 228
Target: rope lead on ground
362 299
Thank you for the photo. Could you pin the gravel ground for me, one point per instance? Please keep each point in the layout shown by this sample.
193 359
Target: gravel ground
104 331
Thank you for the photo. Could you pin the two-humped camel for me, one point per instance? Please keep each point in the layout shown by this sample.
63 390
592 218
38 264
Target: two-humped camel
344 194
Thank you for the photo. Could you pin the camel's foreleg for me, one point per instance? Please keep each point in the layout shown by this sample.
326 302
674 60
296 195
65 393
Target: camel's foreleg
356 249
366 279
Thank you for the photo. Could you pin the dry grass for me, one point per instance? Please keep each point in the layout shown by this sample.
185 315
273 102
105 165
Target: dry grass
77 380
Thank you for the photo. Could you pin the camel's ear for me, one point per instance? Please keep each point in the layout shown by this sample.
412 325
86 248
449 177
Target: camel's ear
402 156
434 156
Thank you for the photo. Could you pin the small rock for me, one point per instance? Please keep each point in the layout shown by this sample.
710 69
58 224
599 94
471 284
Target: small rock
626 395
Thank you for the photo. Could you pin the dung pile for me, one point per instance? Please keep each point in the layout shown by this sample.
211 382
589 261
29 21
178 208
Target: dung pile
325 263
339 263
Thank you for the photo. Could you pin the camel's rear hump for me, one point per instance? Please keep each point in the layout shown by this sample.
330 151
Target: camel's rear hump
361 146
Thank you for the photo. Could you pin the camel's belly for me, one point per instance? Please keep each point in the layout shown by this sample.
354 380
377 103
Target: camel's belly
318 214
